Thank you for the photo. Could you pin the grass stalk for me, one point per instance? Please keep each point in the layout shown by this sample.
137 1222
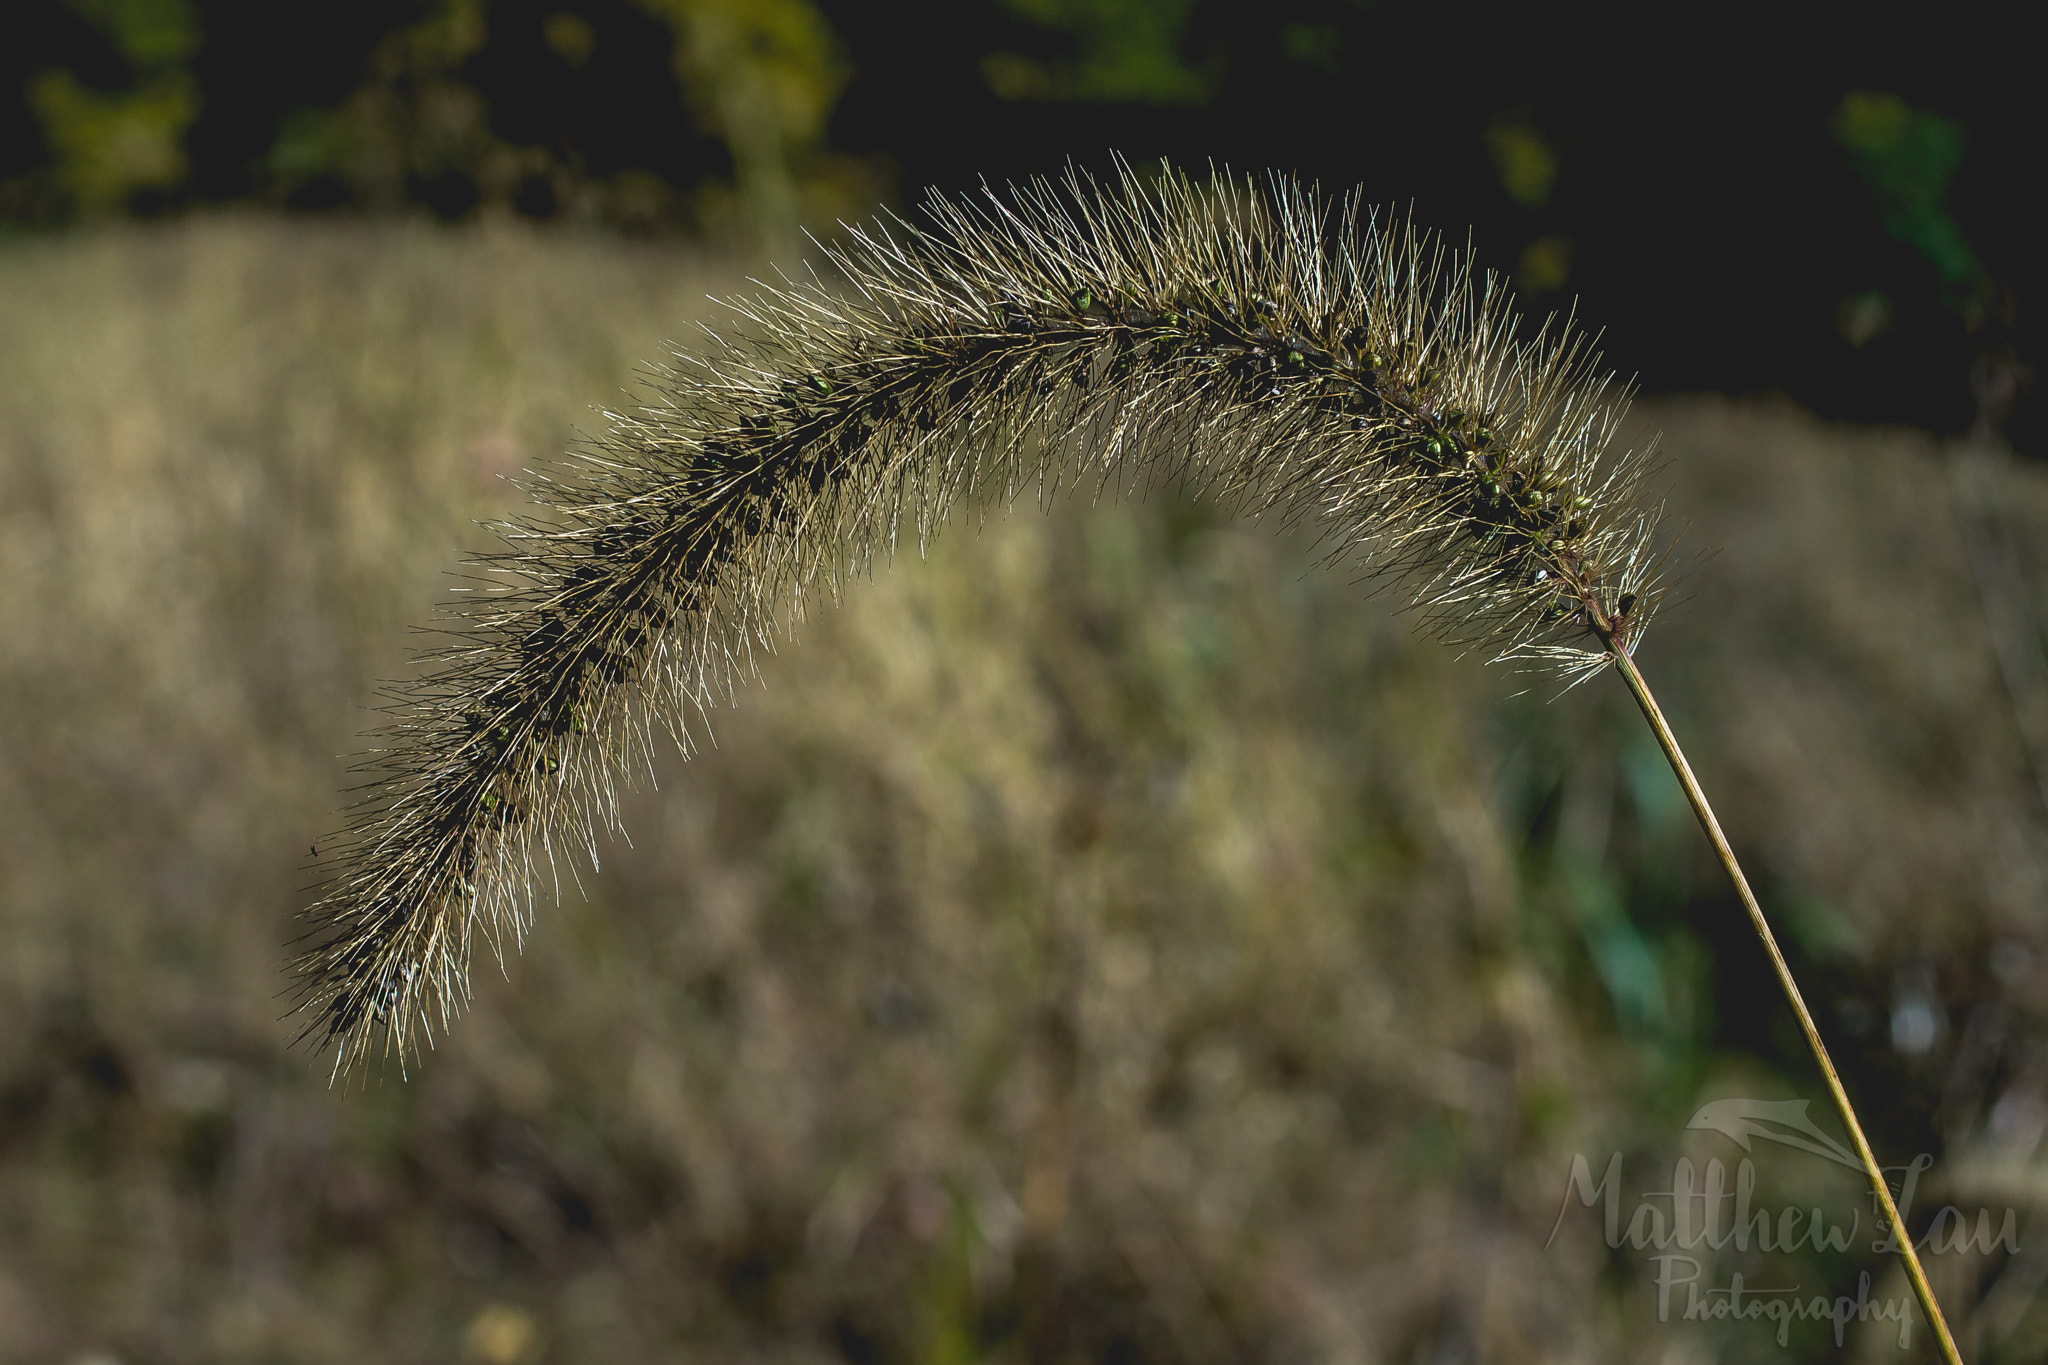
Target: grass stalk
1288 355
1625 663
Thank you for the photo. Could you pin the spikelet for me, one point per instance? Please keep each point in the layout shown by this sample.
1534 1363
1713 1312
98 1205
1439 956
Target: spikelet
1259 344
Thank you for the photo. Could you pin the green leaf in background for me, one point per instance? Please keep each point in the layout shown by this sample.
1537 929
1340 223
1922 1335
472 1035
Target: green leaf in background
149 33
107 145
1523 157
1126 51
760 76
411 118
1527 163
763 76
1908 156
1317 45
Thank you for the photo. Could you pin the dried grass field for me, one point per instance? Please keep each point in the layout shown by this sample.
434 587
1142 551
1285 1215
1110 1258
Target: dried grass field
1108 938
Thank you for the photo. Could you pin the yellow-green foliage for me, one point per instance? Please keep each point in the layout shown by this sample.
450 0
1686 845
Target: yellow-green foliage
1908 156
1124 50
761 76
108 145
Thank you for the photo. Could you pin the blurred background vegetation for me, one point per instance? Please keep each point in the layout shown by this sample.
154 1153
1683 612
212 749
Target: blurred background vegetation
1108 939
1833 210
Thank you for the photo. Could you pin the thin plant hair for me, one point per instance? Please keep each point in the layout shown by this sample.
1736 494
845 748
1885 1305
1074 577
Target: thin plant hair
1255 342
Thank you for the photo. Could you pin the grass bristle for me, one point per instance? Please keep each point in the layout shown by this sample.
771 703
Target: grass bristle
1289 355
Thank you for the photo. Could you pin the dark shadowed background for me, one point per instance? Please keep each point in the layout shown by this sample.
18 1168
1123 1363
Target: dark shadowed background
1107 939
1757 198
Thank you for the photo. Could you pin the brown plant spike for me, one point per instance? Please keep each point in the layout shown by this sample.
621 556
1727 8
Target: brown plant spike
1282 353
1285 354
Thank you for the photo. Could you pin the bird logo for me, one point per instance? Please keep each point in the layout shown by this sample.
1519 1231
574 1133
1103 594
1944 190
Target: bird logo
1780 1121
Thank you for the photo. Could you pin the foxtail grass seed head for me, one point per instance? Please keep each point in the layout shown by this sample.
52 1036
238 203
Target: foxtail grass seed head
1289 355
